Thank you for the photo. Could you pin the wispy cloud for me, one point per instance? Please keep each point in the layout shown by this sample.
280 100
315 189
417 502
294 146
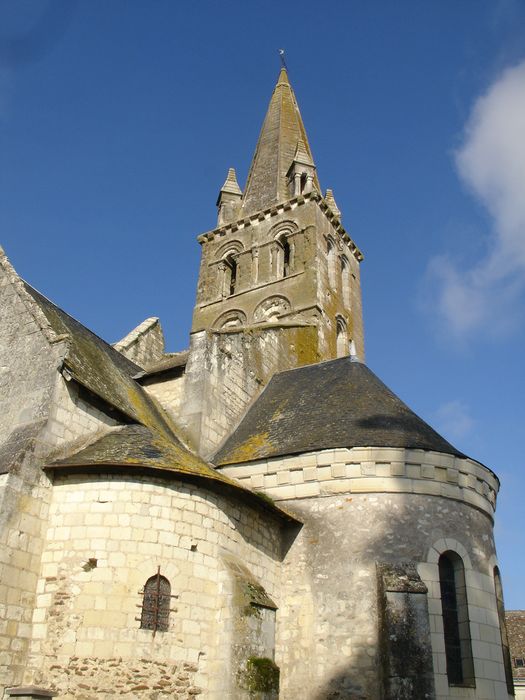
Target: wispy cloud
453 419
491 161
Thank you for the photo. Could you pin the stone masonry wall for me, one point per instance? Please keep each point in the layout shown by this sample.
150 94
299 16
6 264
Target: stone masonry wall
28 371
227 370
169 392
107 535
361 508
144 344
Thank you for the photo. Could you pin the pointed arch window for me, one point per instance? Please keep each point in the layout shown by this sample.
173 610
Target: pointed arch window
456 626
503 631
156 598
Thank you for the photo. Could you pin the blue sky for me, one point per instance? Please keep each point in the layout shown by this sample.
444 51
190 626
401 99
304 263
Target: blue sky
119 120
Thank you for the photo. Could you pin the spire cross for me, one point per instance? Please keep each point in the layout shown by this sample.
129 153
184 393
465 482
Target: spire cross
283 62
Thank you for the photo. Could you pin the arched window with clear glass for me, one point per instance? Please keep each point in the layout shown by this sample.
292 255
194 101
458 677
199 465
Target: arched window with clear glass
456 625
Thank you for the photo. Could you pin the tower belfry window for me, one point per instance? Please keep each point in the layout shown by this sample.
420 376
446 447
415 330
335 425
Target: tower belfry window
231 277
286 256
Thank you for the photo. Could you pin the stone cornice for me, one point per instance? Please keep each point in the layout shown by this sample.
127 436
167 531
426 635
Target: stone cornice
276 209
371 470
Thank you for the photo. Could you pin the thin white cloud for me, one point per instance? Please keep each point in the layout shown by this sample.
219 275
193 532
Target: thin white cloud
453 419
491 162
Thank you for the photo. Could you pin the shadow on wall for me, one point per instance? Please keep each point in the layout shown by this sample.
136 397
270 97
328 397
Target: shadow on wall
343 541
342 686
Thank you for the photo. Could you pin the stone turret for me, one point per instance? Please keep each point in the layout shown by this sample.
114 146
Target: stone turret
229 199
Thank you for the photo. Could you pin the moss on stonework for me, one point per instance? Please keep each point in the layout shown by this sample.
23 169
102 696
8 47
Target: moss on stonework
261 675
251 449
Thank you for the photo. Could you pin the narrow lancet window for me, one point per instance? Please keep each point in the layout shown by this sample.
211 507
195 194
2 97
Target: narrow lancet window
503 631
156 604
330 254
456 626
286 256
345 279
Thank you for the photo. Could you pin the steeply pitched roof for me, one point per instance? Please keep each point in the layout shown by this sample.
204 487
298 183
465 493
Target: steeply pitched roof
340 403
97 366
135 449
281 133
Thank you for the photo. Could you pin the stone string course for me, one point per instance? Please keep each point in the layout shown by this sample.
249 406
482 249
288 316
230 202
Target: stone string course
370 470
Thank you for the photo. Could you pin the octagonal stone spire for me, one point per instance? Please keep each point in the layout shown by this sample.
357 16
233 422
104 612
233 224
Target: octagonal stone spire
281 136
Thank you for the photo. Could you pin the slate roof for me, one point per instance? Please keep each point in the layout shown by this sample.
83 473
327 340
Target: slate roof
170 361
340 403
136 449
97 366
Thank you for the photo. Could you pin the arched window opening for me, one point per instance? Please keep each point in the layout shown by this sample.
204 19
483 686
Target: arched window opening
345 279
286 257
330 254
341 337
282 257
456 626
156 604
303 181
503 631
231 274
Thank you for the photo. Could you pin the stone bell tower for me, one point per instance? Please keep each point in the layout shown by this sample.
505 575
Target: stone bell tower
279 278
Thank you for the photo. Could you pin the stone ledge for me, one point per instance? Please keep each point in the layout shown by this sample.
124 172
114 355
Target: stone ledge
30 692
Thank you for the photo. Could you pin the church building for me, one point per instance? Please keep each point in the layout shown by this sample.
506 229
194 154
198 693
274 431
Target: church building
256 517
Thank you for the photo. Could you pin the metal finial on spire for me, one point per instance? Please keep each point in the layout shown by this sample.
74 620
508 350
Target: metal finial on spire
281 56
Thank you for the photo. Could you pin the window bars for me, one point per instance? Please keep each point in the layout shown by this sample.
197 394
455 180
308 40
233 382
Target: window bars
156 599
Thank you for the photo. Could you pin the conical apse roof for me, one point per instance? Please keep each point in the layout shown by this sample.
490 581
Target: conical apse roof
340 403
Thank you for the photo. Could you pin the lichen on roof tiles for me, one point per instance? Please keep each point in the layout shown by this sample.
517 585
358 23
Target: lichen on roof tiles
339 403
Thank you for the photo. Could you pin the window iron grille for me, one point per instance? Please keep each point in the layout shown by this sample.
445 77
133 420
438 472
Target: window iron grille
156 599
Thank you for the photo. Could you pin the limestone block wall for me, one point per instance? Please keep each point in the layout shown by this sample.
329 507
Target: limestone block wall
28 362
338 288
371 470
107 535
168 391
483 615
144 344
73 419
227 370
365 507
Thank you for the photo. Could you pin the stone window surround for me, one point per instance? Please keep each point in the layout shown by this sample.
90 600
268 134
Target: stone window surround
484 625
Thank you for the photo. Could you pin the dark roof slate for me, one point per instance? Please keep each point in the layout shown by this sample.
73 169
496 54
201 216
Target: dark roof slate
100 368
170 361
135 448
340 403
